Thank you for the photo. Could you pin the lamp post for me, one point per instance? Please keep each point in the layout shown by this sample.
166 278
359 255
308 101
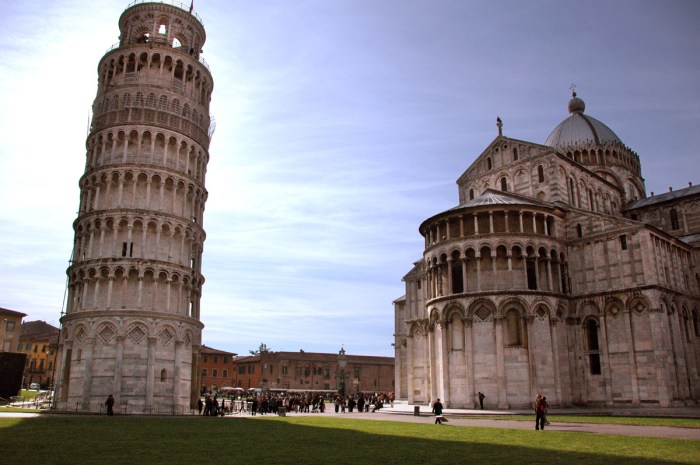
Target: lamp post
342 363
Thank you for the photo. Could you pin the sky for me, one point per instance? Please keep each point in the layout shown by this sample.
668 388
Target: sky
340 127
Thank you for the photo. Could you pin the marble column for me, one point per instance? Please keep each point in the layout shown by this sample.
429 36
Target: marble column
500 364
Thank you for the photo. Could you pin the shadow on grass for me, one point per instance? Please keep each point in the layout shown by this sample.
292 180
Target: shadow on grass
312 440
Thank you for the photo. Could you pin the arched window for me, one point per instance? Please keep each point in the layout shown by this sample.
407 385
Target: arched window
572 192
163 374
489 165
593 346
513 328
540 173
515 154
504 184
471 194
456 332
674 219
579 230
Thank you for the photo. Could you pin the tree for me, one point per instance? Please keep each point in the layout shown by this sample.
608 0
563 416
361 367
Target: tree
261 350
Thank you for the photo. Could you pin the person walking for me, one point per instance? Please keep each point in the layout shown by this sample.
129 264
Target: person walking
481 400
110 405
437 410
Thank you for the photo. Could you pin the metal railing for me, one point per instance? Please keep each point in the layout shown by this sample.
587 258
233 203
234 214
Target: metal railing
179 5
126 409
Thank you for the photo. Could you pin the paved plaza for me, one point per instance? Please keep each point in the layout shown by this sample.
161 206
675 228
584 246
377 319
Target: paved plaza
405 412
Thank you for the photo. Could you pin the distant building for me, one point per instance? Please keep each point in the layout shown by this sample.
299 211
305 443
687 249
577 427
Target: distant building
311 371
12 360
10 329
555 274
39 340
216 369
246 372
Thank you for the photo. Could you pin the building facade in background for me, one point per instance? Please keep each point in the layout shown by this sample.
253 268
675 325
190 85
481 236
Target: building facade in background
555 274
216 369
39 340
132 326
311 371
10 329
12 359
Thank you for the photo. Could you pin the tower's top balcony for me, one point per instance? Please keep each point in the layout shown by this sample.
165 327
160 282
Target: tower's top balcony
182 6
163 23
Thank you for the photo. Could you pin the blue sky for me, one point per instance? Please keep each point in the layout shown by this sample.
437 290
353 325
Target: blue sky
341 126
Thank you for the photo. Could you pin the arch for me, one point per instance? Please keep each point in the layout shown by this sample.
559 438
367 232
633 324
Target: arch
481 310
106 332
454 308
455 330
613 306
674 219
416 329
542 310
592 343
589 308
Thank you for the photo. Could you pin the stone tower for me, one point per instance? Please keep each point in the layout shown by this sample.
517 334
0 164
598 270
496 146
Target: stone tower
132 324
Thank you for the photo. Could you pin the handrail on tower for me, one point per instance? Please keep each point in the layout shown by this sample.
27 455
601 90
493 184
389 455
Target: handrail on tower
179 5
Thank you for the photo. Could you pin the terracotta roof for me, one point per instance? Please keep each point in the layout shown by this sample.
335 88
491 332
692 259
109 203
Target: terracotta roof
247 359
211 350
33 328
8 312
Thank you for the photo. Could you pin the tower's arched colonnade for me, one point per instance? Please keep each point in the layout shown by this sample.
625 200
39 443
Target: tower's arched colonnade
132 324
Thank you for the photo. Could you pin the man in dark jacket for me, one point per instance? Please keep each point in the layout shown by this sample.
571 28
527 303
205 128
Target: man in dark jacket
437 410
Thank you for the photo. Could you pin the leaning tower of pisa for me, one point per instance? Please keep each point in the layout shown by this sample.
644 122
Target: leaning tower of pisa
132 324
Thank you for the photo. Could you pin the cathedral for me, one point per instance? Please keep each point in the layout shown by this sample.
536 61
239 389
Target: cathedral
555 274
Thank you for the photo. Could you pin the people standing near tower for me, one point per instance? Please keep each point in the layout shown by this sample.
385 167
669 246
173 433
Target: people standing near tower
540 408
437 410
110 405
481 400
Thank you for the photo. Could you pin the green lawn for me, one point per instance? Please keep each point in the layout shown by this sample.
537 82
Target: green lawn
613 420
59 439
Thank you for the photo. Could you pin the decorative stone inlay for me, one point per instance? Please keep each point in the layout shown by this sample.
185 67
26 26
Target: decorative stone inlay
165 336
483 313
106 334
188 340
137 334
80 336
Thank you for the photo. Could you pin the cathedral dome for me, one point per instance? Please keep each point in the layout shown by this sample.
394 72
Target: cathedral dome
580 129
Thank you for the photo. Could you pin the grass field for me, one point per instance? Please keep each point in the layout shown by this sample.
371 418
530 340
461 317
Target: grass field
55 439
613 420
